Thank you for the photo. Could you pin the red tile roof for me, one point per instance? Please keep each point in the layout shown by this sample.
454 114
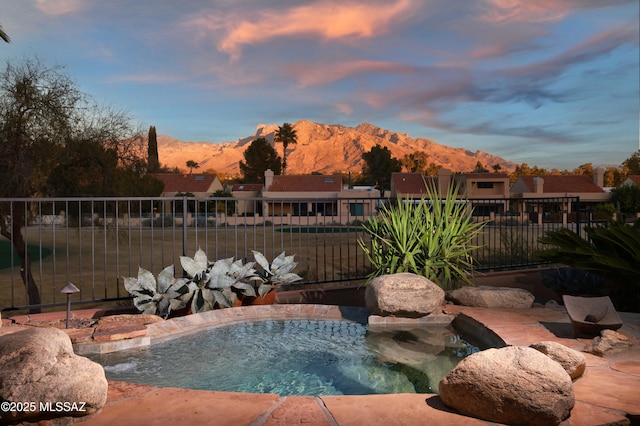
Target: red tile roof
247 187
174 182
306 183
411 183
563 184
635 179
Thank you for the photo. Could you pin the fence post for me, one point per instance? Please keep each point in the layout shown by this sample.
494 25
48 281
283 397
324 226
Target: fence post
185 211
578 211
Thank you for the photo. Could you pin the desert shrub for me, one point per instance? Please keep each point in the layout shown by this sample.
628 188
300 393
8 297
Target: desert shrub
429 237
612 252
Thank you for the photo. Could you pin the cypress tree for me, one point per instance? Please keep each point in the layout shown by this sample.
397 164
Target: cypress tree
154 161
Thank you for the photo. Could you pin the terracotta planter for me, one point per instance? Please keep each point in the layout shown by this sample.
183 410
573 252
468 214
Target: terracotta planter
268 299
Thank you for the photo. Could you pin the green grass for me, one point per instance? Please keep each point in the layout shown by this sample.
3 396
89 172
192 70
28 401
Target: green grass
6 248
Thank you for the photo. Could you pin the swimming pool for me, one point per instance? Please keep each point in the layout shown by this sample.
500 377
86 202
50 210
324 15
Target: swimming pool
296 357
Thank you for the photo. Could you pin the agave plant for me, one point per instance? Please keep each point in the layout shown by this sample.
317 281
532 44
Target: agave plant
279 272
208 285
212 284
158 297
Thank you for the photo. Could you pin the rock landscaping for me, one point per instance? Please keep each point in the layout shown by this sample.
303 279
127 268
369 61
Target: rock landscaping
492 297
403 295
38 367
511 385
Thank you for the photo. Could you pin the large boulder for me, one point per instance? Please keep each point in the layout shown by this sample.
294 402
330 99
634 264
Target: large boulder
573 362
403 295
492 297
511 385
38 366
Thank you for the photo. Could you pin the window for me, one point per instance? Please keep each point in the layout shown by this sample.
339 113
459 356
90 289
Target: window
485 185
356 209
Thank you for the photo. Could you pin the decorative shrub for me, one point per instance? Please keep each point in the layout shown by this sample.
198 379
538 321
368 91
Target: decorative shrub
429 237
207 285
612 252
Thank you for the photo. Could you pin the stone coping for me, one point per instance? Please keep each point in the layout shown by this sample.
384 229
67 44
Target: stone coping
181 326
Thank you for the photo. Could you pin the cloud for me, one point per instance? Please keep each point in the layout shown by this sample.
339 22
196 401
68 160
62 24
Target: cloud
595 47
58 7
538 11
311 74
325 19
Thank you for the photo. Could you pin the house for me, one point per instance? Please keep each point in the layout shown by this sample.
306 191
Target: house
632 180
200 185
246 194
544 197
317 196
487 192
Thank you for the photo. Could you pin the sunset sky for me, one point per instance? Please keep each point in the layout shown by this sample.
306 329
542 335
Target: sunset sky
553 83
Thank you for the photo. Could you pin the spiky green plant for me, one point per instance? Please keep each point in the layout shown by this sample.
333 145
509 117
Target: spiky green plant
431 237
612 252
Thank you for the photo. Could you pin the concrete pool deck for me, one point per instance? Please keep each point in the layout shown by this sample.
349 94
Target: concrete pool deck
608 392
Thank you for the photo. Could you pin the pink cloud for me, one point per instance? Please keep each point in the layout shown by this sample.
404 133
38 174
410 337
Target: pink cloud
58 7
328 20
538 11
322 73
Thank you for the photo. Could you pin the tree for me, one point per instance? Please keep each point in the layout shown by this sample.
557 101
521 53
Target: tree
46 126
192 165
480 168
496 168
152 151
626 198
258 157
631 166
4 35
378 166
415 162
286 135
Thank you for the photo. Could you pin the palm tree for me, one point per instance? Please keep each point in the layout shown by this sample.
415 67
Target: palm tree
192 165
4 35
285 135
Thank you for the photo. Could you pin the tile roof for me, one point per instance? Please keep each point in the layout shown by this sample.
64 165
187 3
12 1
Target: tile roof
174 182
411 183
563 184
306 183
635 179
247 187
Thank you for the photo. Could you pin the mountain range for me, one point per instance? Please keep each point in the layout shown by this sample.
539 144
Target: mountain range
323 148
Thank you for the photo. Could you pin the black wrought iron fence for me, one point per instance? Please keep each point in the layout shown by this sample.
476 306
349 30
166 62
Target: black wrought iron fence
95 242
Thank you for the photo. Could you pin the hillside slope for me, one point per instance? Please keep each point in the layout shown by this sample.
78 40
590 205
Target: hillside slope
322 148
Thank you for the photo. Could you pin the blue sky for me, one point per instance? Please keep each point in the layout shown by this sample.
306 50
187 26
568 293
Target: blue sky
553 83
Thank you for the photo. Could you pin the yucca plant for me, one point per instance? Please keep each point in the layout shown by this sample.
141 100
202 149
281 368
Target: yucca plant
431 237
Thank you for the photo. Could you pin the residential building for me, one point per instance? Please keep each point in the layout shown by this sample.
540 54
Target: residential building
316 196
200 185
544 197
632 180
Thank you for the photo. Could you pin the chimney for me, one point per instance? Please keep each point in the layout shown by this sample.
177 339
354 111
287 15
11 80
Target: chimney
268 179
598 177
444 180
538 185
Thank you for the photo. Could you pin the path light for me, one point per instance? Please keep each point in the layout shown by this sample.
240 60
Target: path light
69 289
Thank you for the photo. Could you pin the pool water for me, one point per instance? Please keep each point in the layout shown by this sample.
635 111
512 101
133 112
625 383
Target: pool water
296 357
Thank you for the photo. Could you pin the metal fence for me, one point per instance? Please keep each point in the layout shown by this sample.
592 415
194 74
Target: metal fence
95 242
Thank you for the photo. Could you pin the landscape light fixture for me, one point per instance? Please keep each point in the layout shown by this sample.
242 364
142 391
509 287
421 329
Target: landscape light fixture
69 289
